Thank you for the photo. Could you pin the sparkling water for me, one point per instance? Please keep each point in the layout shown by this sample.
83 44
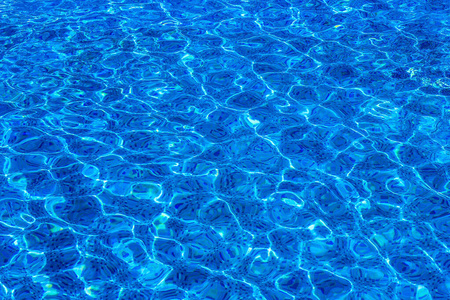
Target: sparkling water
209 149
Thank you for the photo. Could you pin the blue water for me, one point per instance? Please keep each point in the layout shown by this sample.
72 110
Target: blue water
269 150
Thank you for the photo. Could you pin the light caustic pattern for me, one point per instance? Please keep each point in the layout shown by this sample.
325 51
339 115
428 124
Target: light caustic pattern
288 149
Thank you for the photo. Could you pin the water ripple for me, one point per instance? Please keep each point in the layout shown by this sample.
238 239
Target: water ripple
224 149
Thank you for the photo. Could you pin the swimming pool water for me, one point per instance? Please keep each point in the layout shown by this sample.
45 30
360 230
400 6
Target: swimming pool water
195 149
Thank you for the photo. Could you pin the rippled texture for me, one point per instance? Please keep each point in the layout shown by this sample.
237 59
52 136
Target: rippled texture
186 149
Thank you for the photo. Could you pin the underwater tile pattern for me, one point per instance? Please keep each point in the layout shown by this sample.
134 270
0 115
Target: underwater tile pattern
212 149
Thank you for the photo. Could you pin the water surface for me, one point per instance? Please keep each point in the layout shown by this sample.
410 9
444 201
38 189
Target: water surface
264 150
